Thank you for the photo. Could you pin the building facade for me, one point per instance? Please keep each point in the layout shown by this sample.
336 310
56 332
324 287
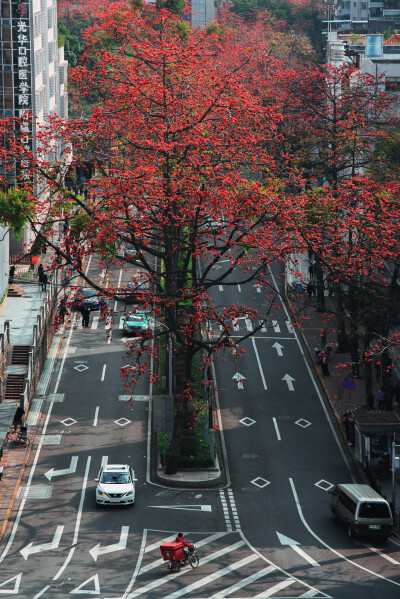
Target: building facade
33 76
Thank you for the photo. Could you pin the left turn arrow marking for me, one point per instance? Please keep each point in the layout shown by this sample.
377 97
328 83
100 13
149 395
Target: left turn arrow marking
72 468
120 546
30 550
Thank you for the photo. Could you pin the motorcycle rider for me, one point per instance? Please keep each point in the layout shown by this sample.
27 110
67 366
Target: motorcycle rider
180 539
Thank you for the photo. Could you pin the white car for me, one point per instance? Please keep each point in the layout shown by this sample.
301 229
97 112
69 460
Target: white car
116 485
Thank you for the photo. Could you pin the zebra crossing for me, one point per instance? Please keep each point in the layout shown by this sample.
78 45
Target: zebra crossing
249 324
97 321
229 567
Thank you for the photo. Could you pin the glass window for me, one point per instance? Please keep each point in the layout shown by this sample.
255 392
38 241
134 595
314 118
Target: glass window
373 509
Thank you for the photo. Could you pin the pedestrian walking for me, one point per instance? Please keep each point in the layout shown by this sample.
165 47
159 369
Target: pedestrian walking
12 273
381 399
311 268
85 316
44 281
310 289
17 420
324 363
62 311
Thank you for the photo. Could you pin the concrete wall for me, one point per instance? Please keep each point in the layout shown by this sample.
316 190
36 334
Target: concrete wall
4 260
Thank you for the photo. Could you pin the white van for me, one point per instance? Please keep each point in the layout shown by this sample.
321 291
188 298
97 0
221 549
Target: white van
362 510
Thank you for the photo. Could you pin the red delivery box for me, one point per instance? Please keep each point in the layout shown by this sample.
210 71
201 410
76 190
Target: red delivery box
172 551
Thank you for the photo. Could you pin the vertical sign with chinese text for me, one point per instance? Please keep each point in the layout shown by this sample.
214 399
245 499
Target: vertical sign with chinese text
21 36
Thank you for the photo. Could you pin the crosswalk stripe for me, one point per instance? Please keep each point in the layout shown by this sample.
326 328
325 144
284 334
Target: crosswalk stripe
289 326
235 324
212 577
309 594
249 324
221 287
160 561
276 326
263 327
95 322
276 588
242 583
121 323
209 558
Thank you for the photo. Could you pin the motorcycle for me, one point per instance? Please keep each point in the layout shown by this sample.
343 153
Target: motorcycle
176 557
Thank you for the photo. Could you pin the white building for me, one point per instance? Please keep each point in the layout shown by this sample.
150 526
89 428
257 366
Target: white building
33 72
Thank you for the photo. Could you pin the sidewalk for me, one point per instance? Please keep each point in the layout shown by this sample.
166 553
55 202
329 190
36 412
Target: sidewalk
311 324
21 312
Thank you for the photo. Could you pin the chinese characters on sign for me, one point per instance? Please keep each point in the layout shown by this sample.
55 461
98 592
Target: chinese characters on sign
22 72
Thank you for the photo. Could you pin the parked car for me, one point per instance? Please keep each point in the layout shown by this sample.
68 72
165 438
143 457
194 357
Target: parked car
115 485
136 292
136 323
86 298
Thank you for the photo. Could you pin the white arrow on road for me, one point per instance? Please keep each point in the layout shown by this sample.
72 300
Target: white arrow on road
284 540
190 508
30 550
289 382
120 546
278 348
52 473
239 378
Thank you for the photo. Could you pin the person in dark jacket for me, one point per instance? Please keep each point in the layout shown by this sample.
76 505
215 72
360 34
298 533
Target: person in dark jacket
17 420
12 273
85 316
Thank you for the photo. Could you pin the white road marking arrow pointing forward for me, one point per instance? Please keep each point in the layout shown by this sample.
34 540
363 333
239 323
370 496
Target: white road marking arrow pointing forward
52 473
284 540
239 378
278 348
192 508
120 546
289 380
30 550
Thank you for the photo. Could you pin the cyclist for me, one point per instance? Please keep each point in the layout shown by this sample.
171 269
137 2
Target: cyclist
180 539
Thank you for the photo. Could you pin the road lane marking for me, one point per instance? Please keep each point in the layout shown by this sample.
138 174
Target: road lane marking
317 391
118 286
277 587
278 348
275 326
239 288
80 508
212 577
95 322
70 470
96 416
40 593
225 510
120 546
54 543
221 287
204 560
65 564
17 582
384 555
103 374
121 322
276 429
37 454
234 510
306 525
259 363
289 326
239 378
243 583
190 508
284 540
289 381
95 591
160 542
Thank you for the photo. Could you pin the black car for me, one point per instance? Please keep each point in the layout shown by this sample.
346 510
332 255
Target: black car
86 298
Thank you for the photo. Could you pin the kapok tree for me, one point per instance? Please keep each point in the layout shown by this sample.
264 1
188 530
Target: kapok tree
177 140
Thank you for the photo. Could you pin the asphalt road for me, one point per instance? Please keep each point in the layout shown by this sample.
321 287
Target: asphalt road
268 533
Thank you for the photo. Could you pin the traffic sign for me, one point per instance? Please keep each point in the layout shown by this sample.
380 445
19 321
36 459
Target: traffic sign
349 384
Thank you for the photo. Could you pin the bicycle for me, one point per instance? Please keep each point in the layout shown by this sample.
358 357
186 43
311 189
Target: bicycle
17 438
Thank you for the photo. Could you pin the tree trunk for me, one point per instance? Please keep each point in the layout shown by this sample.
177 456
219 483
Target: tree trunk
177 433
369 396
387 380
342 342
319 274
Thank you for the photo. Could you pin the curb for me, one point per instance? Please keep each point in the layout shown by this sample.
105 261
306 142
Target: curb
213 479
